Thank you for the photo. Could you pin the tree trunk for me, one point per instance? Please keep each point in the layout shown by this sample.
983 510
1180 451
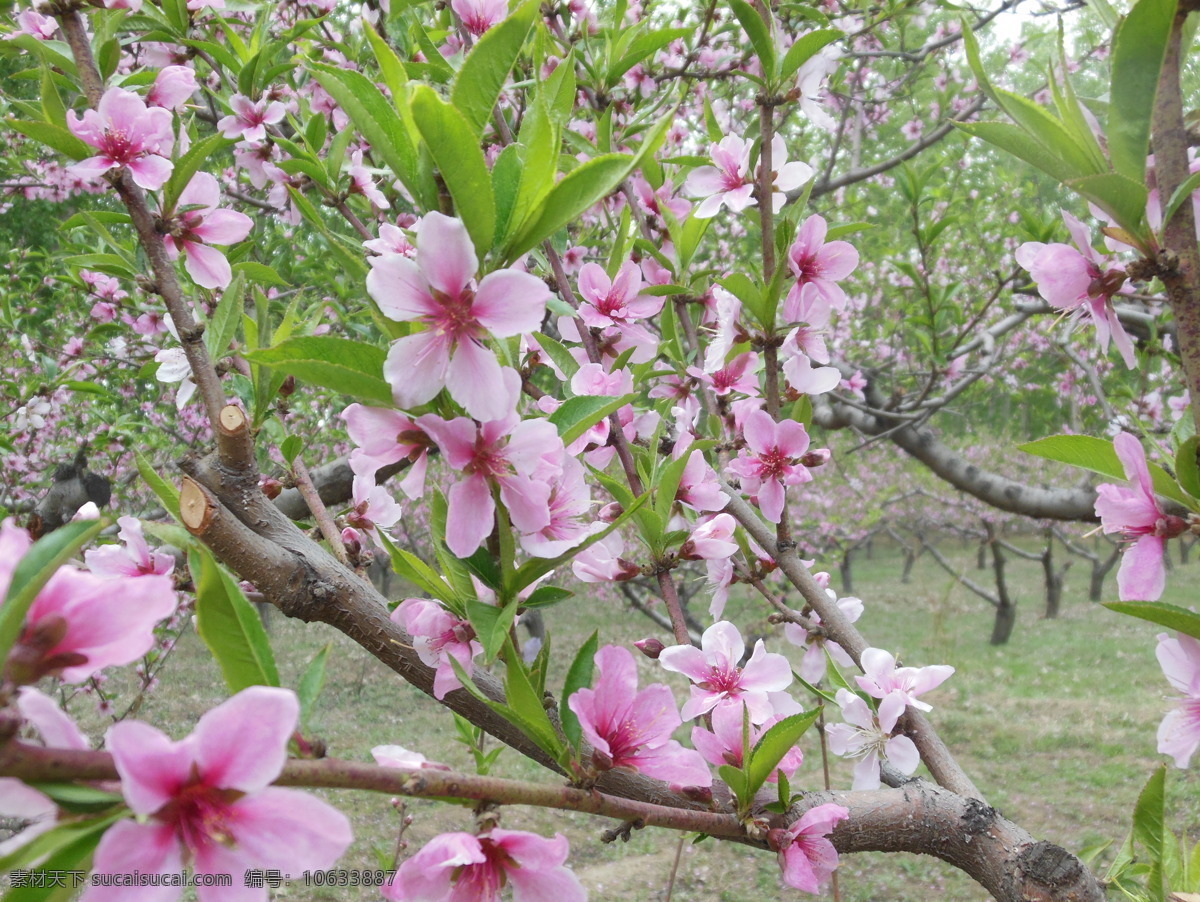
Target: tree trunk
1006 608
1100 571
1002 626
910 558
846 572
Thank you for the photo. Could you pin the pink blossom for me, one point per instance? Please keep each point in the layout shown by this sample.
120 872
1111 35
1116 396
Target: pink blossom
391 240
723 744
727 183
799 371
698 486
480 15
868 736
818 267
654 202
459 867
439 291
437 637
1179 733
1080 279
718 680
806 857
570 508
173 86
173 366
785 176
35 810
363 183
374 507
207 799
739 375
883 679
33 23
1135 515
772 461
813 667
250 118
127 134
521 457
602 562
386 437
632 729
135 559
192 231
80 622
614 302
711 540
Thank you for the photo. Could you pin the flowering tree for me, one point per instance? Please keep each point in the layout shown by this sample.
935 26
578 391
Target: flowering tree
588 339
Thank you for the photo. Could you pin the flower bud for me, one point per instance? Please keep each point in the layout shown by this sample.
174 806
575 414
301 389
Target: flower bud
609 512
816 458
651 648
271 487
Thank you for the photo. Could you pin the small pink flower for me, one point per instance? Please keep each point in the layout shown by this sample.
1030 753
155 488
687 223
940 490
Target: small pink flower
437 637
1135 515
698 486
250 119
727 183
135 559
882 679
785 176
1179 733
362 182
772 461
1080 279
172 87
739 375
459 867
385 437
868 736
806 857
207 800
520 457
127 134
711 540
632 729
480 15
718 680
602 562
614 302
818 267
33 23
192 231
439 291
571 514
80 622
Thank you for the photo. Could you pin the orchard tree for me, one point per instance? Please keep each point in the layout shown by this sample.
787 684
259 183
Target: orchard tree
584 287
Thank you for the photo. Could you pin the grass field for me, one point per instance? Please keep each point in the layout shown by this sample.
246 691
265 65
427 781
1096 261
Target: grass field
1057 728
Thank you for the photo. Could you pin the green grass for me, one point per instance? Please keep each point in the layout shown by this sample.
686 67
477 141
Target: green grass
1057 728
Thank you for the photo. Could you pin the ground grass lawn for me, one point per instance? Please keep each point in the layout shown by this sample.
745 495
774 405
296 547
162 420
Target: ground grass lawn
1057 728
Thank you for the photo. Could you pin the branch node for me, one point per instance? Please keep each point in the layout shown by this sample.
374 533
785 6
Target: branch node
622 832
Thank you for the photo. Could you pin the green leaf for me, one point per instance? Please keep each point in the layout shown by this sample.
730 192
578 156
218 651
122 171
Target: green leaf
1187 469
579 190
222 327
527 704
312 681
759 32
53 136
1171 616
579 414
454 146
189 164
736 780
558 352
230 626
774 744
379 122
416 571
1098 455
486 67
77 797
544 596
167 493
507 173
349 367
34 570
805 48
1138 49
1185 189
492 625
540 139
390 66
1014 140
260 273
65 848
1118 195
643 46
579 676
1149 828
